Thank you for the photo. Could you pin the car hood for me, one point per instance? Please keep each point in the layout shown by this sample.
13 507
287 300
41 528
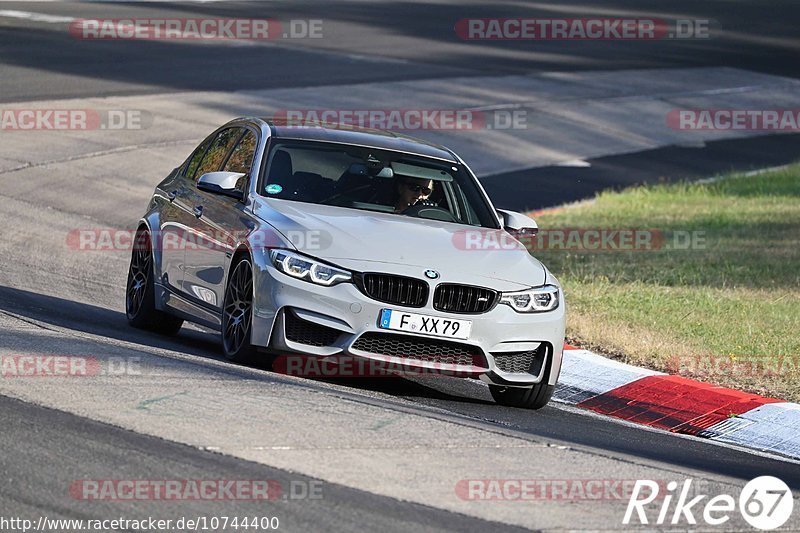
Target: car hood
368 241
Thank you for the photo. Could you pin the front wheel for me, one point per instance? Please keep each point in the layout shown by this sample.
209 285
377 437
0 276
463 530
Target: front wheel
140 298
534 398
237 313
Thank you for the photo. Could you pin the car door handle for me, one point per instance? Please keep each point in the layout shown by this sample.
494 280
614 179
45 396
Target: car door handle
172 195
198 211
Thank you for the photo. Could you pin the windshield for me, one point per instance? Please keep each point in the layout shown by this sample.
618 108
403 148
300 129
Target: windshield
364 178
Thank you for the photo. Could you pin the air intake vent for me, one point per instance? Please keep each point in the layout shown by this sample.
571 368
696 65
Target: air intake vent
529 362
420 349
305 332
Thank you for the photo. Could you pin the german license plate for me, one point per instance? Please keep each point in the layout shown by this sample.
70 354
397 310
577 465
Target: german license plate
425 324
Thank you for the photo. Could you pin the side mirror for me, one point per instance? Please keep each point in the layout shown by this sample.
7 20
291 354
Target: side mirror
518 223
221 183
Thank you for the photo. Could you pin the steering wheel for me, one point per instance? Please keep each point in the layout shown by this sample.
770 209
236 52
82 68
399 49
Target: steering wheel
430 210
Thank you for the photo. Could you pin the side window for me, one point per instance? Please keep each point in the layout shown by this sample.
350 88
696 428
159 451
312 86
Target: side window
195 159
218 150
241 158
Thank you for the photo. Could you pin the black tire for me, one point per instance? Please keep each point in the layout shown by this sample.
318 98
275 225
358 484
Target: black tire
237 313
140 291
534 398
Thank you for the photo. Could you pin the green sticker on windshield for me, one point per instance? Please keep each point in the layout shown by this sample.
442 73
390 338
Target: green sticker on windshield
274 188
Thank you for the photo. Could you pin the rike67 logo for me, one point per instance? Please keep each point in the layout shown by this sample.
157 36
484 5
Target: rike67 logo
765 503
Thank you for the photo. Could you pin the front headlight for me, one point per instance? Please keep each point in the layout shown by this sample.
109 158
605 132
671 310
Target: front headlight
302 267
536 300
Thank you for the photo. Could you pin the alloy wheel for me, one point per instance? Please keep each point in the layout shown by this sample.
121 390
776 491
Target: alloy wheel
237 312
138 275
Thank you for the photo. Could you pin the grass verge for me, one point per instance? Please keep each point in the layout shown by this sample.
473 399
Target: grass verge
712 291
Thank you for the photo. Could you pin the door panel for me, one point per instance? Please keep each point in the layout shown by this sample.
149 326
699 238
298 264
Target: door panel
216 233
221 223
171 234
175 220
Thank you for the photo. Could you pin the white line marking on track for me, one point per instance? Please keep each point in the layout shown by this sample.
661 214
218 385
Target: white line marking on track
36 17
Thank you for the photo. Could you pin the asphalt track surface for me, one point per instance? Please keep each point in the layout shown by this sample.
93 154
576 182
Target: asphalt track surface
461 398
40 61
68 447
45 450
554 185
75 302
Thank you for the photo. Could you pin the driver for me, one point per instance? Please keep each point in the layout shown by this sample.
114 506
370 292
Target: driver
409 191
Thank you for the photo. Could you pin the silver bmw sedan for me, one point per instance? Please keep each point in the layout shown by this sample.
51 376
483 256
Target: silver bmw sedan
336 242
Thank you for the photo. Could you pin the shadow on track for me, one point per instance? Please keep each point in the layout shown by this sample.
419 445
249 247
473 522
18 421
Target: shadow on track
112 324
457 396
538 188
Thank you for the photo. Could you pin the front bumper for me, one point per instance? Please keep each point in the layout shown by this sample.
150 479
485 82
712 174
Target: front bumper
505 347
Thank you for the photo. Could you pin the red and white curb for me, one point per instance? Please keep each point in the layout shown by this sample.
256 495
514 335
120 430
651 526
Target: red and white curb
678 404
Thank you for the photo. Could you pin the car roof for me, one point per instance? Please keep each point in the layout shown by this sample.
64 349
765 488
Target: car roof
347 134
